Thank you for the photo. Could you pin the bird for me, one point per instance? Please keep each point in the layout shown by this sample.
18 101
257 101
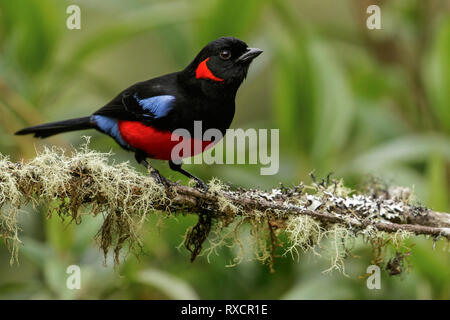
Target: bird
143 117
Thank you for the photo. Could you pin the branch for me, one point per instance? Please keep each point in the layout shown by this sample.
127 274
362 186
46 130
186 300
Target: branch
347 210
85 183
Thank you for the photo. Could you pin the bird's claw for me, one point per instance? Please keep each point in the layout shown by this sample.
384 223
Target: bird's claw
200 184
160 179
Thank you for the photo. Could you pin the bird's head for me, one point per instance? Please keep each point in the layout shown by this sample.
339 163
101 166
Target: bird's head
222 63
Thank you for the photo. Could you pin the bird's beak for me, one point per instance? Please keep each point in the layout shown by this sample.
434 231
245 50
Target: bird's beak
249 55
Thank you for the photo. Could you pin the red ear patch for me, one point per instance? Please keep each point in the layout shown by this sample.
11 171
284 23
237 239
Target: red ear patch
203 72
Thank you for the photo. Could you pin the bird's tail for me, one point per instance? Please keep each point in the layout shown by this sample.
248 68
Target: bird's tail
52 128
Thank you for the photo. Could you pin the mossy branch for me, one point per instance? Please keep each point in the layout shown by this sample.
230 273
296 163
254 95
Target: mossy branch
85 183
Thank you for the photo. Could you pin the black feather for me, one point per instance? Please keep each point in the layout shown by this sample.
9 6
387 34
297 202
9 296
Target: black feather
52 128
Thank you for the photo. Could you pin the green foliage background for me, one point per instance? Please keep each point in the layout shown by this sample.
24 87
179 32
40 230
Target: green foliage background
346 99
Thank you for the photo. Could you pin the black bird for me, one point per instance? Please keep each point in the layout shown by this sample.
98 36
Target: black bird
142 118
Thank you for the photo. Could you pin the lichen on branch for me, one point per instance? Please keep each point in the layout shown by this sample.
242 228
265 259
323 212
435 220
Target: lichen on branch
323 218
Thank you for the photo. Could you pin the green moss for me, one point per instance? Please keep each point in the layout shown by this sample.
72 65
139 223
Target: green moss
82 183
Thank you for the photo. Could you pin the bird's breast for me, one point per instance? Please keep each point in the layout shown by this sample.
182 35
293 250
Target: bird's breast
160 144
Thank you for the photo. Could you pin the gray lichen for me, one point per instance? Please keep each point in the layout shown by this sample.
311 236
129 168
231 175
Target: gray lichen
323 218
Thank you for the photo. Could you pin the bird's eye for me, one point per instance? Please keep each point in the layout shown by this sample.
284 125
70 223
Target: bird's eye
225 54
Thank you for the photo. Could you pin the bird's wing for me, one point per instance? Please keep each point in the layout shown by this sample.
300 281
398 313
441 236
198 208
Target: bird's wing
138 106
148 108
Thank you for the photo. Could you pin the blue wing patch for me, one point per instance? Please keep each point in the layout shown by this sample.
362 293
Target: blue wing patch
109 126
158 106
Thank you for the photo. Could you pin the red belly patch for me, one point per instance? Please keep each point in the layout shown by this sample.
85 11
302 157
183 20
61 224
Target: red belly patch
156 143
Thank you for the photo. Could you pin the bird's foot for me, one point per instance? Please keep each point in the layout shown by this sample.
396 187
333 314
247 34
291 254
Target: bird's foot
200 184
159 178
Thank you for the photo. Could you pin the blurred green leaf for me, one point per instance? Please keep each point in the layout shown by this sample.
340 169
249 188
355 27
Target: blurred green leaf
36 251
404 149
294 92
133 23
319 286
437 75
172 287
227 18
433 264
438 191
334 105
31 32
60 233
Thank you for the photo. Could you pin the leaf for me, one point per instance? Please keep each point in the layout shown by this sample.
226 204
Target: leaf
227 18
171 286
437 75
36 251
313 100
293 90
129 25
404 149
31 32
56 278
334 103
438 192
431 264
319 287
